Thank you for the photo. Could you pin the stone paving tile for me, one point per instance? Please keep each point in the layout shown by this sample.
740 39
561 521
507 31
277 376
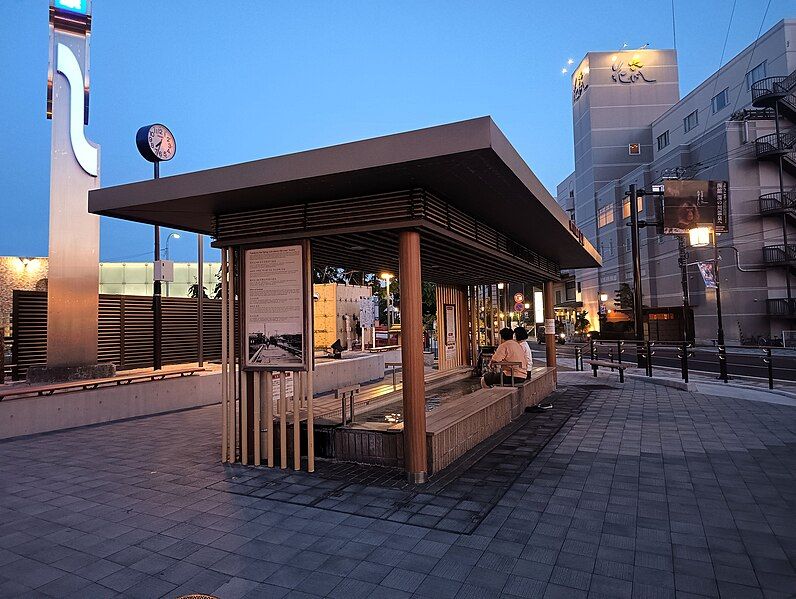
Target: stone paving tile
643 492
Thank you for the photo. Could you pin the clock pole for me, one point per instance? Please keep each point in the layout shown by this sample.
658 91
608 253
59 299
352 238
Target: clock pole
156 144
157 328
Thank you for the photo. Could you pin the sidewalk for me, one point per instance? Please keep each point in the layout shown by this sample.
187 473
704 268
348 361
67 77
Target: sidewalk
641 491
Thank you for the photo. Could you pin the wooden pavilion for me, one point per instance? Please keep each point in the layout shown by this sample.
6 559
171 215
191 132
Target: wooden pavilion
454 202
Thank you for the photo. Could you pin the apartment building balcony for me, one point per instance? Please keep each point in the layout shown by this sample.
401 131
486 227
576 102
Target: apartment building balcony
776 203
781 307
779 255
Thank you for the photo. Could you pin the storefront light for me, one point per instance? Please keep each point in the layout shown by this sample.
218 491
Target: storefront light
603 297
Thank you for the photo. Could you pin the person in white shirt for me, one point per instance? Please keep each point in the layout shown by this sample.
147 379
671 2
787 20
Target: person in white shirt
521 335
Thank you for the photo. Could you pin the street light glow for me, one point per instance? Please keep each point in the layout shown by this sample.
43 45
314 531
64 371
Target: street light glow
699 236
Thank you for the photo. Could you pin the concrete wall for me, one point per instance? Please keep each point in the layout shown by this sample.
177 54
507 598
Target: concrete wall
30 415
335 374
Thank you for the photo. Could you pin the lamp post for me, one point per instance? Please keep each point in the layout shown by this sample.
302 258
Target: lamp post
701 237
175 236
387 277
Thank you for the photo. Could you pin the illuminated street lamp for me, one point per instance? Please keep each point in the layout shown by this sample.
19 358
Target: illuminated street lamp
171 235
700 237
603 297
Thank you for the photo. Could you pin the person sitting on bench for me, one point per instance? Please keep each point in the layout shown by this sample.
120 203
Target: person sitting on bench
508 351
521 335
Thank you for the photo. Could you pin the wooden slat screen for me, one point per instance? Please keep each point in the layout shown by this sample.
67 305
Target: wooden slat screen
125 330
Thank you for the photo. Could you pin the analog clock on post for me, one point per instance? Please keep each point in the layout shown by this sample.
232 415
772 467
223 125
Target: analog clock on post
156 144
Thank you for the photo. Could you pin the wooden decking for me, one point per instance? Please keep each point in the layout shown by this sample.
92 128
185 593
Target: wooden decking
328 409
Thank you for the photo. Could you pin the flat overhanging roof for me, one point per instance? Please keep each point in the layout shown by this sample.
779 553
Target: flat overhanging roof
468 166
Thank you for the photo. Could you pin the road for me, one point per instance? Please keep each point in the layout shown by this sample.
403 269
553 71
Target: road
741 362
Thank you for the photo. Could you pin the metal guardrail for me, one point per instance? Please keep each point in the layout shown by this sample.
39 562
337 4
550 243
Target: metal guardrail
770 87
779 255
781 307
775 144
776 203
599 349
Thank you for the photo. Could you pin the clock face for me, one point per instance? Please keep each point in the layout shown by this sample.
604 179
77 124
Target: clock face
161 142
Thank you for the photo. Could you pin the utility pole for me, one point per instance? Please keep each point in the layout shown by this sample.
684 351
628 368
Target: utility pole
682 260
638 313
722 349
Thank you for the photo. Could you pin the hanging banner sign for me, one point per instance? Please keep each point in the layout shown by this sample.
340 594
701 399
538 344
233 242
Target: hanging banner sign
274 306
688 204
708 274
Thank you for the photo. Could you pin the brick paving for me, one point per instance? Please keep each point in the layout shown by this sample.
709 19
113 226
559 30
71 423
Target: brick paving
645 491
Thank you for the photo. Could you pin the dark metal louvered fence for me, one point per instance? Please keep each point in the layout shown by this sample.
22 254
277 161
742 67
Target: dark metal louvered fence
125 330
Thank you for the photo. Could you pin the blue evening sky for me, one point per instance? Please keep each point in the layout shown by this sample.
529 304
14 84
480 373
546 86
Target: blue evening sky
238 81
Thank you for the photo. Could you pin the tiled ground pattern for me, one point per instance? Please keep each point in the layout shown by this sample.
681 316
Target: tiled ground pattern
648 492
456 500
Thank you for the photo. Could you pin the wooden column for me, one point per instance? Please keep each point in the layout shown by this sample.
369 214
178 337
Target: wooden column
549 324
473 306
414 393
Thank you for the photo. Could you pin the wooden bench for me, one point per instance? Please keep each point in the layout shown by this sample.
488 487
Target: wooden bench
90 384
620 366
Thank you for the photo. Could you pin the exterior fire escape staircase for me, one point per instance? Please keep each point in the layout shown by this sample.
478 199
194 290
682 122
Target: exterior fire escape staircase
779 94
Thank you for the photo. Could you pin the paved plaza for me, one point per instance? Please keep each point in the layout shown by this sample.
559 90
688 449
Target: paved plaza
639 491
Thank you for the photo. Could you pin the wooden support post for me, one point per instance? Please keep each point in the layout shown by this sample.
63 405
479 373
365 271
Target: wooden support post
282 421
297 391
258 423
310 426
267 388
231 366
473 307
414 396
549 325
244 418
224 369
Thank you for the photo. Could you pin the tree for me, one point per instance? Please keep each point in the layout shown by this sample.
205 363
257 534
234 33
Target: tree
623 298
582 323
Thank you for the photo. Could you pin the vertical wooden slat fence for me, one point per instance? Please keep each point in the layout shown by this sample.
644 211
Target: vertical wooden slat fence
257 420
125 330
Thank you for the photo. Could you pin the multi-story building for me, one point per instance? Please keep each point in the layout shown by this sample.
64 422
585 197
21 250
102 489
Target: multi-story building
631 127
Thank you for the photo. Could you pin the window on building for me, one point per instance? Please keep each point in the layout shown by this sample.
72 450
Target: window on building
610 247
605 215
721 100
691 121
756 74
663 140
558 297
626 206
